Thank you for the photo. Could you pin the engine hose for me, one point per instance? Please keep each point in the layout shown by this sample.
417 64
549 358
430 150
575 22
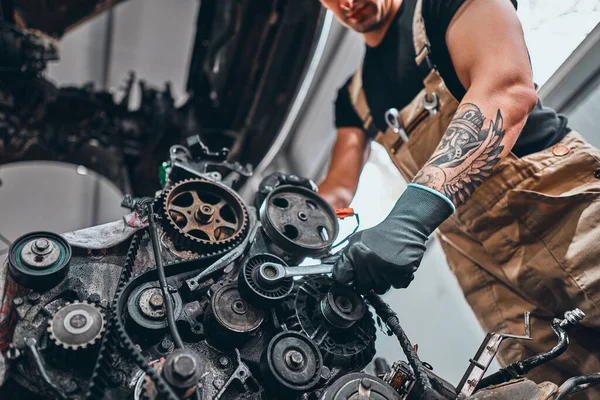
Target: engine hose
577 384
423 386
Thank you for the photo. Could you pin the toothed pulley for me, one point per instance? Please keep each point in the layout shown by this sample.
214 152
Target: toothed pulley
76 326
204 216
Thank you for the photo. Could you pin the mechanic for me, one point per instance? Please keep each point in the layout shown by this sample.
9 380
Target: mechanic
446 87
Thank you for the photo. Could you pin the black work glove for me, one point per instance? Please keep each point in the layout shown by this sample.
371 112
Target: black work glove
388 254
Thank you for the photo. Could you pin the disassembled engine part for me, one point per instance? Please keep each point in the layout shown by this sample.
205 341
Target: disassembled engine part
258 291
182 370
299 221
230 318
342 307
77 325
400 377
292 362
349 349
39 260
359 386
146 306
203 216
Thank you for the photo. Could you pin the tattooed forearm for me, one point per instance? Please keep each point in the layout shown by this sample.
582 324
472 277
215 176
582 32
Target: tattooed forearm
466 155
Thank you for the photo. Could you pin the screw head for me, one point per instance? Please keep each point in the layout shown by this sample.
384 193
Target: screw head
78 321
294 359
184 366
17 301
365 383
41 244
34 297
156 301
224 361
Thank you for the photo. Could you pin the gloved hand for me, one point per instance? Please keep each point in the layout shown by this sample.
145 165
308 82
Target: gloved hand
388 254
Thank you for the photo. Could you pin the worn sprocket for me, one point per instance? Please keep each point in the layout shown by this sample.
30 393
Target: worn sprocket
77 326
203 216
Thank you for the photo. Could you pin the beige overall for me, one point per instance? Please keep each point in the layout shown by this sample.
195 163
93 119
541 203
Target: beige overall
528 239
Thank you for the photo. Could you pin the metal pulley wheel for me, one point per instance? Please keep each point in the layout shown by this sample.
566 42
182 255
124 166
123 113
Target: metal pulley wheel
349 348
293 362
146 307
204 217
39 260
259 292
230 318
76 326
360 386
342 307
299 221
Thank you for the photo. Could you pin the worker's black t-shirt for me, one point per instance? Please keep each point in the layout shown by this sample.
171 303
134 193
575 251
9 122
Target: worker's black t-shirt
391 77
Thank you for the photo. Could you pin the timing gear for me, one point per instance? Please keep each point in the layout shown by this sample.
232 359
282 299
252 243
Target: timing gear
146 306
299 221
203 216
76 326
360 386
259 293
39 260
350 348
293 362
230 319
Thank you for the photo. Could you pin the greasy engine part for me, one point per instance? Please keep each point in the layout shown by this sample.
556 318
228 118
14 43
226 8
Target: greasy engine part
359 386
292 363
342 307
76 326
39 260
182 370
74 333
299 221
204 216
235 342
257 291
230 319
146 307
343 349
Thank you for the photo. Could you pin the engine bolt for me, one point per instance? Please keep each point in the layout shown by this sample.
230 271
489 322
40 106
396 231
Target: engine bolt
294 359
204 214
302 216
41 245
184 366
34 297
365 383
224 361
17 301
165 346
156 301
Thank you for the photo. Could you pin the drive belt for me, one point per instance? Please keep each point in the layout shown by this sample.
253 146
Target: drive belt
116 338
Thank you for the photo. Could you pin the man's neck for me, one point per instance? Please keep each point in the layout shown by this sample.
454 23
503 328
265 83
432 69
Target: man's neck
373 38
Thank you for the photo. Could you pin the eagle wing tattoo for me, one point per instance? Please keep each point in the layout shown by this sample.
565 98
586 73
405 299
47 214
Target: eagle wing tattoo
466 156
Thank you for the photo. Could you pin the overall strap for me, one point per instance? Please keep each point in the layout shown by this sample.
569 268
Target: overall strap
421 41
359 101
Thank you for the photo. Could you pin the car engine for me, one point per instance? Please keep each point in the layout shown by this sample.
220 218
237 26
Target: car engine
198 295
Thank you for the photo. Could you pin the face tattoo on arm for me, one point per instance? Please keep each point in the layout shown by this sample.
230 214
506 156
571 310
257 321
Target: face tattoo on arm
466 156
